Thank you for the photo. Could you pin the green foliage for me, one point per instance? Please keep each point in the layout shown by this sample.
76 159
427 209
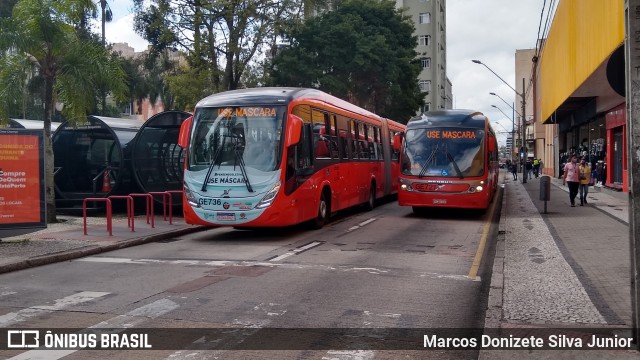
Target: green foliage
189 87
42 34
362 52
220 38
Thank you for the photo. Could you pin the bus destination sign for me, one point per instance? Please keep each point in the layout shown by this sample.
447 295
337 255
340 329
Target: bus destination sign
247 112
451 134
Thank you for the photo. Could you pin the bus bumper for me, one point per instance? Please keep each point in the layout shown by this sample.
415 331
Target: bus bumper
478 200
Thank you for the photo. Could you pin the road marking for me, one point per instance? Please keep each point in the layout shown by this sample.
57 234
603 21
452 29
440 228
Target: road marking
5 293
114 260
115 325
297 251
356 227
270 263
473 272
349 355
235 335
59 304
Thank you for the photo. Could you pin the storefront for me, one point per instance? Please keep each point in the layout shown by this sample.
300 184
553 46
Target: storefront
580 87
616 150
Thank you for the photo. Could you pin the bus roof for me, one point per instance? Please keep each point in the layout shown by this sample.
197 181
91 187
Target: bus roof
453 118
275 95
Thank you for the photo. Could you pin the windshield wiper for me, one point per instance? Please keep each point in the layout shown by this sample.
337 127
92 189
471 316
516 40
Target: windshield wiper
453 162
237 147
216 155
427 164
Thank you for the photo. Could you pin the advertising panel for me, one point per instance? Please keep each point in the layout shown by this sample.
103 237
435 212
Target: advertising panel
22 201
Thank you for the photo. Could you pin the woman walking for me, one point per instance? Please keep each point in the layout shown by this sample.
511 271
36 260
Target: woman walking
585 179
572 179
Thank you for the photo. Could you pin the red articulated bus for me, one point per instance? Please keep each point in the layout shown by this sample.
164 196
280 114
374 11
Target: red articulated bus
269 157
449 159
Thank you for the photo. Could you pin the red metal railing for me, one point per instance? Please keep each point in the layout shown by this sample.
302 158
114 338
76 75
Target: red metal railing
130 211
149 208
166 196
171 192
109 209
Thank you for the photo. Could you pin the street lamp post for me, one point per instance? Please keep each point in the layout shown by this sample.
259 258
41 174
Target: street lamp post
513 128
522 116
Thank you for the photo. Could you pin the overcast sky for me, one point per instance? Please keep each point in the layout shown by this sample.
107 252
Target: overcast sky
486 30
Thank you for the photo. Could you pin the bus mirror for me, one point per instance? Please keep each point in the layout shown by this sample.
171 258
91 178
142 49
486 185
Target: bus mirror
294 130
183 138
397 140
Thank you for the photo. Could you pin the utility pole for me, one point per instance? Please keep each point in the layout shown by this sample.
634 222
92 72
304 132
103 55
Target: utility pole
632 49
525 152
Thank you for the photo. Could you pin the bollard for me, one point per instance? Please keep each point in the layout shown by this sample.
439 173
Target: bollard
545 190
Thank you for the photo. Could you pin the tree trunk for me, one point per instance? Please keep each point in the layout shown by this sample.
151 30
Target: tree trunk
50 194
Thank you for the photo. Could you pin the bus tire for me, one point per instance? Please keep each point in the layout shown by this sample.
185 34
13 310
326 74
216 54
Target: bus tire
371 202
323 212
418 210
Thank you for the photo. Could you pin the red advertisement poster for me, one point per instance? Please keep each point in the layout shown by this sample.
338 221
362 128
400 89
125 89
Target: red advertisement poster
22 202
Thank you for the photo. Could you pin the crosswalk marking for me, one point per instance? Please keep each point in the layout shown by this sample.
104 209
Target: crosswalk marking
59 304
121 322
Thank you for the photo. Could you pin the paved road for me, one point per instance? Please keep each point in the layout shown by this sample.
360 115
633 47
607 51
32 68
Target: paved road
387 268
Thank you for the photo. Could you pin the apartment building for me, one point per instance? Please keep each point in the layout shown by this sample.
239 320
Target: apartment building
429 17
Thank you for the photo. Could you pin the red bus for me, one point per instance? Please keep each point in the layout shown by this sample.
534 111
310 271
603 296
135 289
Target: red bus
283 156
449 159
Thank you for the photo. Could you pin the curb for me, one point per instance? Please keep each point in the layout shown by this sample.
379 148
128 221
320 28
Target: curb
493 314
96 249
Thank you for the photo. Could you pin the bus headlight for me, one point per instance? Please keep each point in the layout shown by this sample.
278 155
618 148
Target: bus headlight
191 199
405 187
478 188
267 200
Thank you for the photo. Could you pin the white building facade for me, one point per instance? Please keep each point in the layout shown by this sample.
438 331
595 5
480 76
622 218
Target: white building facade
429 17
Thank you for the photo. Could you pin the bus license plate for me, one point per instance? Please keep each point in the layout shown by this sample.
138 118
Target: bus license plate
439 201
226 216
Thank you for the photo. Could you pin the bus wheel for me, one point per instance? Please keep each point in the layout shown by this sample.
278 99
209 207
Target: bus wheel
371 203
323 213
419 210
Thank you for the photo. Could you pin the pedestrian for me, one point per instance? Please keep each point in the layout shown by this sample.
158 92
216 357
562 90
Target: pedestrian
540 167
585 179
571 178
536 167
514 170
529 168
563 162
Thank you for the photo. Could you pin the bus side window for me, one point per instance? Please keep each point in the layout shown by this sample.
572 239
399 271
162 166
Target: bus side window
378 143
330 130
364 143
320 141
395 155
342 126
298 159
353 142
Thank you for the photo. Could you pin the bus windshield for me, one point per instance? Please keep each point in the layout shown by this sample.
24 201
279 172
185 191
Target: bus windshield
246 137
443 152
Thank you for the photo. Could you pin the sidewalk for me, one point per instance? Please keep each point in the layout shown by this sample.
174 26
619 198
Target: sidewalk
566 269
66 240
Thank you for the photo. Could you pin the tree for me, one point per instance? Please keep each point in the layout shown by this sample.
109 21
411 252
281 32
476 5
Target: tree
42 32
362 52
220 38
